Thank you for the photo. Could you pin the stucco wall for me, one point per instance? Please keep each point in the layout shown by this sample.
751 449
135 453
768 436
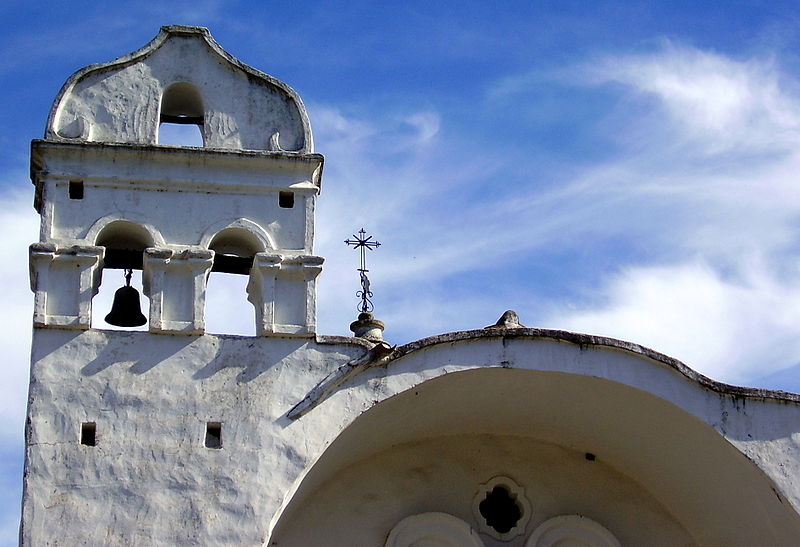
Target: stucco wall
717 467
172 189
150 479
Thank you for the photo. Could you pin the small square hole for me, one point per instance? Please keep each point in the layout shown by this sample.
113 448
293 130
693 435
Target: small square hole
286 200
76 189
88 430
214 435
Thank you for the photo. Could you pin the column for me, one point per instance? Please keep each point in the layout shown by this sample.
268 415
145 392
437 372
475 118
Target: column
64 281
175 282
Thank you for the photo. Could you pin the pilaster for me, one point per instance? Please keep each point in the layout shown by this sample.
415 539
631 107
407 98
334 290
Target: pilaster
296 302
283 291
64 281
175 282
261 290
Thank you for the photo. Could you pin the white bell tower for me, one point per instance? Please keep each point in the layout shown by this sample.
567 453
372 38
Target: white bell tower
111 196
136 438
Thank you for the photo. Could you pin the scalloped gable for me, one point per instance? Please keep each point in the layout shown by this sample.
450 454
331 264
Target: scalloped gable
120 101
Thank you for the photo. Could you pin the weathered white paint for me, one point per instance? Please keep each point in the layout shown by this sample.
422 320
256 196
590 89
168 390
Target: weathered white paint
169 188
64 280
121 101
149 479
175 284
524 406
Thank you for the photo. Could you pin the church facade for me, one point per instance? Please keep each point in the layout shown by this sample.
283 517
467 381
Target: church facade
504 435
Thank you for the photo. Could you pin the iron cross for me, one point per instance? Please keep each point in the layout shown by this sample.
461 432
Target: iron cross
364 243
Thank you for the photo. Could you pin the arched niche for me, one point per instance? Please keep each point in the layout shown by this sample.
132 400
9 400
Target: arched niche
125 242
182 103
239 237
227 307
234 248
182 108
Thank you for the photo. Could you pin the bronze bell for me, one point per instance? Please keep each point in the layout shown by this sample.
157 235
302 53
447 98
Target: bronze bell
126 310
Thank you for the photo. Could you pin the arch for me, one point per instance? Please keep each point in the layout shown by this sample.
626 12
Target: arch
623 409
133 224
124 242
126 235
181 102
257 236
181 108
236 241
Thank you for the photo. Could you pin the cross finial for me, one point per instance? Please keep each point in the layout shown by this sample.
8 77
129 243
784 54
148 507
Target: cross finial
365 243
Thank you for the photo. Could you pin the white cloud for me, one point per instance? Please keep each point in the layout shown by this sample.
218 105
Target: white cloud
730 330
714 200
19 226
706 197
426 125
717 103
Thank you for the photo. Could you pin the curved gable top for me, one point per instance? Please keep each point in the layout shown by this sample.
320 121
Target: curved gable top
121 101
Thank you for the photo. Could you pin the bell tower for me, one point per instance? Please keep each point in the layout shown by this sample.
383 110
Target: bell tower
111 196
173 435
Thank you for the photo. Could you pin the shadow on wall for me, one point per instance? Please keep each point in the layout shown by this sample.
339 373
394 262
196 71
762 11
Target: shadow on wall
125 346
208 354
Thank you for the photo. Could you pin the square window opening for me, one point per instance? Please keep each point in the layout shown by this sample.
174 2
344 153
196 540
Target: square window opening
286 200
88 433
214 435
76 189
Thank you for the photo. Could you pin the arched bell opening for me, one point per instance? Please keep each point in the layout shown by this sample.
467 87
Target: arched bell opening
125 243
227 308
182 117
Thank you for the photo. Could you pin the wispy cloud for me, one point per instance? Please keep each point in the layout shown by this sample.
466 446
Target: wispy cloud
701 197
715 196
19 226
718 104
733 330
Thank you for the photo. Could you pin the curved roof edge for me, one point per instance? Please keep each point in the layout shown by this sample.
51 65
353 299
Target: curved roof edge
146 50
602 341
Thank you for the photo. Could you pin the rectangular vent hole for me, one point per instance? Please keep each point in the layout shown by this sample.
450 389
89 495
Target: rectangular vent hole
76 189
286 200
88 433
214 435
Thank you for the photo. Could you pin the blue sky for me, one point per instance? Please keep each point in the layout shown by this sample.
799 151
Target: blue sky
619 168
